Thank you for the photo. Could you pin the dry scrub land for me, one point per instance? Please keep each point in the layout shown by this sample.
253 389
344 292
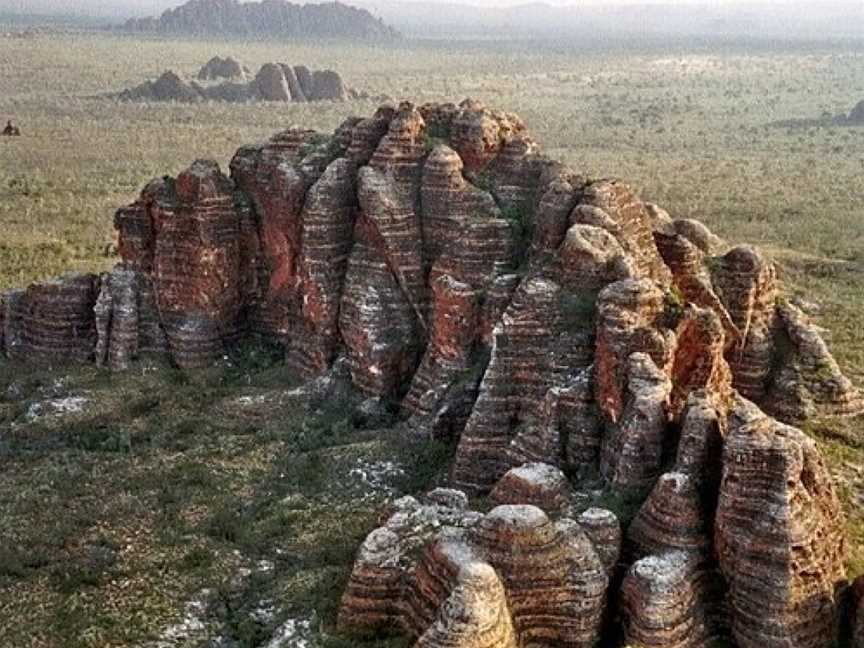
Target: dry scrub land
168 506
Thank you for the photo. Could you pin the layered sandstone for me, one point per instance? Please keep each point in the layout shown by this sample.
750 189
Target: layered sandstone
580 348
778 535
51 322
449 577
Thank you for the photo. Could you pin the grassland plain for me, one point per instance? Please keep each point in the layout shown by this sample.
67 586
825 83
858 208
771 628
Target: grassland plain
129 518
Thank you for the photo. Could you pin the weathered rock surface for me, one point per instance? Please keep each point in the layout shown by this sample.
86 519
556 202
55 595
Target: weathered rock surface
663 602
222 68
538 484
226 80
449 577
51 322
168 87
778 535
578 345
856 115
272 19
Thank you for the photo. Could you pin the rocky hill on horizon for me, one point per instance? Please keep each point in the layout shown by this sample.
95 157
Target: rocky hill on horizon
276 19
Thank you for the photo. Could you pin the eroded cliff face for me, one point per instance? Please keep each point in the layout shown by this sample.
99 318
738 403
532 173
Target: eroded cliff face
568 336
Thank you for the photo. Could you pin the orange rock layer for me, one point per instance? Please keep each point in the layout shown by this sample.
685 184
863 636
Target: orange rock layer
573 340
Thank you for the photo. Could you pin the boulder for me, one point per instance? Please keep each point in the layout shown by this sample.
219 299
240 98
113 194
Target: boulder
327 85
271 84
221 68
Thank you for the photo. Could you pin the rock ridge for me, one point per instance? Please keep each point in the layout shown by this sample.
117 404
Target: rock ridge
578 345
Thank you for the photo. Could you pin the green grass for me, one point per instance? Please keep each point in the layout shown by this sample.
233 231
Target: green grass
116 517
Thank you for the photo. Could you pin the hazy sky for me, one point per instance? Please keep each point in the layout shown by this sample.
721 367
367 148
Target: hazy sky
155 7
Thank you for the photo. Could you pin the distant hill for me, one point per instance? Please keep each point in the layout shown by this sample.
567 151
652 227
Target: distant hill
267 19
623 19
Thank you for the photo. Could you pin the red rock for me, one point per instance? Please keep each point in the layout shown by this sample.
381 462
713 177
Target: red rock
515 173
498 298
270 175
376 321
699 235
439 118
701 444
327 232
579 420
196 273
463 234
629 319
746 283
476 135
671 519
451 343
552 219
604 531
592 258
52 321
692 280
698 362
476 614
117 319
663 602
632 452
538 484
549 587
367 134
389 191
806 381
778 535
555 580
539 439
521 371
611 342
614 207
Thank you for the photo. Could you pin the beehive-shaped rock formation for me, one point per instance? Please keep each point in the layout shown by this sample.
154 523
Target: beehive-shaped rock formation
541 581
581 345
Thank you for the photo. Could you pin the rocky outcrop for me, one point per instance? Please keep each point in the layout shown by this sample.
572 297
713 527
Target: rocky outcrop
273 82
538 484
778 535
779 360
51 322
663 602
222 68
579 346
747 284
449 577
168 87
632 453
276 19
806 380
